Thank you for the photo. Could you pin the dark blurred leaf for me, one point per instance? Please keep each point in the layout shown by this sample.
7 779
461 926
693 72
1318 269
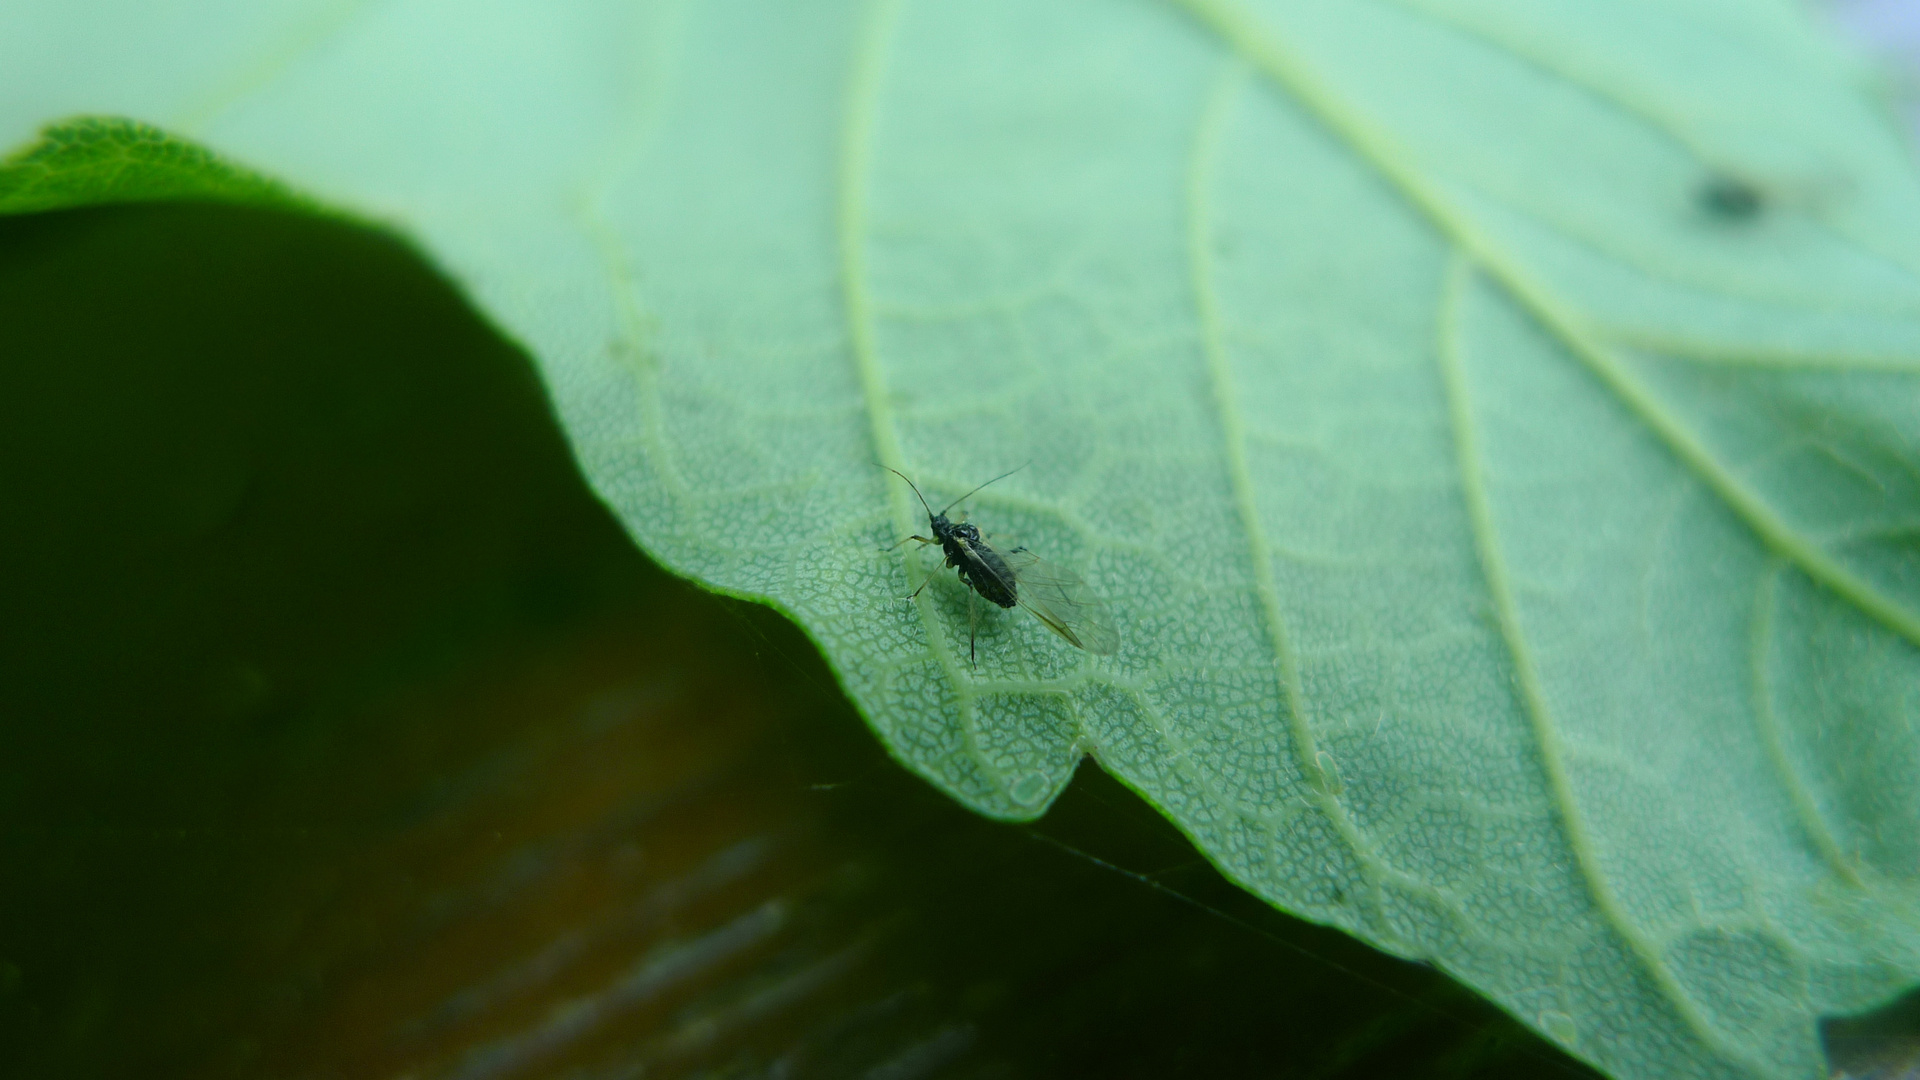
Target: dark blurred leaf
1881 1045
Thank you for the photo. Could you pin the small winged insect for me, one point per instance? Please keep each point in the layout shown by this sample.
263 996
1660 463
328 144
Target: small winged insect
1057 597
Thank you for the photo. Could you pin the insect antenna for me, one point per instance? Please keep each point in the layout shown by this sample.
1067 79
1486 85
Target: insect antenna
916 487
976 491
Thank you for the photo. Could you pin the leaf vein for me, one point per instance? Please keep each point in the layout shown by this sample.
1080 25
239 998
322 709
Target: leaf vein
1643 110
1757 356
1291 73
856 157
1230 81
1533 699
1767 726
305 40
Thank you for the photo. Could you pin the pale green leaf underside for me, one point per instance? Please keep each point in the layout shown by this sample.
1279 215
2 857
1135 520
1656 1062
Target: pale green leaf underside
1516 563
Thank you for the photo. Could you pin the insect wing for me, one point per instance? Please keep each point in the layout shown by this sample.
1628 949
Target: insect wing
989 568
1058 598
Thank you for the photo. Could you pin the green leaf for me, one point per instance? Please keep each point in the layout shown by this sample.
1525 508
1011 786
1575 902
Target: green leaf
93 162
1492 423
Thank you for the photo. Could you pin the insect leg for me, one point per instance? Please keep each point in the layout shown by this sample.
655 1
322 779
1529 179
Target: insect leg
923 543
973 621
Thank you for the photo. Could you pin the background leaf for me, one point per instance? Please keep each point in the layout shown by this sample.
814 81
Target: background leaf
1492 423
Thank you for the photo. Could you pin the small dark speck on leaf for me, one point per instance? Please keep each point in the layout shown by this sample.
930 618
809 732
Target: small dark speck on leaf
1729 199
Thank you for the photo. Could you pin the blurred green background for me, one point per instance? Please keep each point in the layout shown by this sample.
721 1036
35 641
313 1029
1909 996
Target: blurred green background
346 735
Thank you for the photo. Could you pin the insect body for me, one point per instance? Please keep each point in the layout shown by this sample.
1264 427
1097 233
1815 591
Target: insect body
1018 577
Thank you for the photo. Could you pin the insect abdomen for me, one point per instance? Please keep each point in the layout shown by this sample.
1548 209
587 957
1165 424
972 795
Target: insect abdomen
983 570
